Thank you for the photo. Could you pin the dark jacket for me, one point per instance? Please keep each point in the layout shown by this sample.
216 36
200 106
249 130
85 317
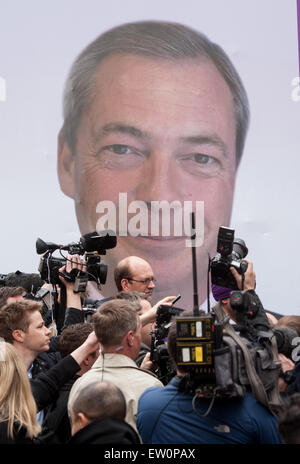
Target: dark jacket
57 419
107 431
19 435
44 361
45 386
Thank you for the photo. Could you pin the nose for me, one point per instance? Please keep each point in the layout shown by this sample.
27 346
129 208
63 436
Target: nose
160 178
151 284
47 331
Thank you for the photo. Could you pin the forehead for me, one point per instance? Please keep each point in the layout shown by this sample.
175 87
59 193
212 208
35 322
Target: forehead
140 268
34 317
185 94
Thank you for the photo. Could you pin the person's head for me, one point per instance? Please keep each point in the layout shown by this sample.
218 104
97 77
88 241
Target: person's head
157 111
142 302
71 338
11 294
22 325
118 328
222 294
17 405
289 420
293 322
98 400
134 274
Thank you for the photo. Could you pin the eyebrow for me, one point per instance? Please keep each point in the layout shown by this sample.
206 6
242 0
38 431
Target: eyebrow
212 139
116 127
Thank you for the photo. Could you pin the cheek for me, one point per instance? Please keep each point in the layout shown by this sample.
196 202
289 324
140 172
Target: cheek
216 193
94 184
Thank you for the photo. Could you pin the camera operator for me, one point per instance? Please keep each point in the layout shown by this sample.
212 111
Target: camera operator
169 415
163 411
70 310
285 332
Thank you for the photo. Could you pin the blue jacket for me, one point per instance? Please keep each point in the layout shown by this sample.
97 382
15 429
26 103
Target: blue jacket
166 415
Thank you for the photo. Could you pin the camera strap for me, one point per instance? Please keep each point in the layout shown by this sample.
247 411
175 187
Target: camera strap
273 400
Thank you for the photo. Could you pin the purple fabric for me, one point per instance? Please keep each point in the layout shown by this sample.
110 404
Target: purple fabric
220 293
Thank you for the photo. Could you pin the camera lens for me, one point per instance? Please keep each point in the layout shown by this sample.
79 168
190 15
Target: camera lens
239 249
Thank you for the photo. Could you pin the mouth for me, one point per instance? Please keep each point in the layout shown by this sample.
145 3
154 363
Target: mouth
160 238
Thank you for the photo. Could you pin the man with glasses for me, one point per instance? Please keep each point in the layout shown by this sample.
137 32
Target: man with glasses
134 274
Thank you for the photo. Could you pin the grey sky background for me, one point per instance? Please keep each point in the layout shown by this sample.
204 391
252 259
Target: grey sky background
39 41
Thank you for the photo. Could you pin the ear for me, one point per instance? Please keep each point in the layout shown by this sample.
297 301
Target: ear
78 422
18 335
65 166
130 338
86 361
124 285
82 419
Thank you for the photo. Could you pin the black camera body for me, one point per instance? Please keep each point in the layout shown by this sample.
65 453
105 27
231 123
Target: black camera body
91 246
159 352
230 253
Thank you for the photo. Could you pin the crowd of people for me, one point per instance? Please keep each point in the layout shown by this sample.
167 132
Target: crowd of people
95 381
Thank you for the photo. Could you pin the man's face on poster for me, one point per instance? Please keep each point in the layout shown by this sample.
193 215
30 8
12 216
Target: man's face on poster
157 130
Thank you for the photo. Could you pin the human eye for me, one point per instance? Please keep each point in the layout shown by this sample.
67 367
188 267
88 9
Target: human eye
201 164
116 156
119 149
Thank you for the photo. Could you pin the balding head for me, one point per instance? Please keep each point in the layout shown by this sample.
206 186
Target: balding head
134 274
98 400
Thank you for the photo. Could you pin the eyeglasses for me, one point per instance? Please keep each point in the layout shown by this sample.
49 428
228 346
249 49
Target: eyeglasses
145 281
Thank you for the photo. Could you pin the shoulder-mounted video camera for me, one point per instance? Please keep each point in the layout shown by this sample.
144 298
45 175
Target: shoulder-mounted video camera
218 361
90 245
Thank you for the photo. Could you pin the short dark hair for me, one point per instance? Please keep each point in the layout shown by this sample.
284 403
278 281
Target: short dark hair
73 336
15 316
100 400
113 319
293 322
289 419
8 292
122 271
134 297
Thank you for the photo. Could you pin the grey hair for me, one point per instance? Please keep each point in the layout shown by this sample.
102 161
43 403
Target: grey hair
156 40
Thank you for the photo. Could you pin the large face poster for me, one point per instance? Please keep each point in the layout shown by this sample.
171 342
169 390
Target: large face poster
153 113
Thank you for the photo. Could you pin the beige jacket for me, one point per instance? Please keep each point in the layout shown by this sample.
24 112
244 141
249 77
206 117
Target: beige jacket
124 373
